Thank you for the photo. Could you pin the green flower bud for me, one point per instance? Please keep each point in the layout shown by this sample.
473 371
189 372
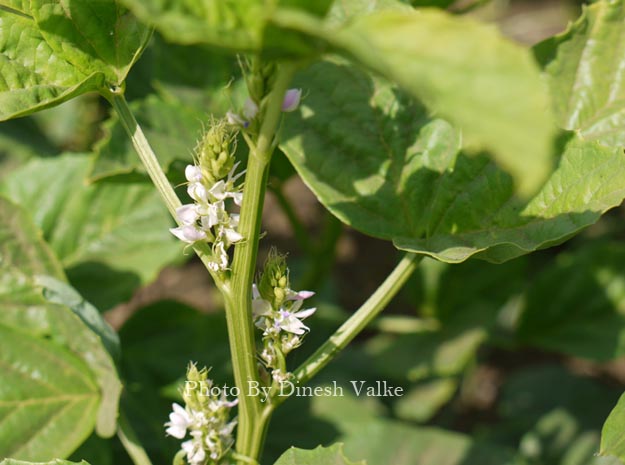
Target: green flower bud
215 151
195 385
275 279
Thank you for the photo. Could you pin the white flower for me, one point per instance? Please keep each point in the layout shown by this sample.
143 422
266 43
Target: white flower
187 214
250 109
197 192
179 421
188 233
279 376
235 119
291 100
193 173
194 449
290 320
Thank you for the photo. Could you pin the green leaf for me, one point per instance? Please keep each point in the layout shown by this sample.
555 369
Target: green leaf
382 442
24 88
66 48
230 24
332 455
48 397
58 292
114 228
612 442
23 256
52 462
422 401
22 246
95 37
19 6
377 161
584 65
575 306
468 74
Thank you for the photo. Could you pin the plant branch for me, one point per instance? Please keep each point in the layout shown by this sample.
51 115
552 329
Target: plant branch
154 170
359 320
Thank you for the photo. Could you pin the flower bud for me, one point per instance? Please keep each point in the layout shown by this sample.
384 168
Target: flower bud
275 279
291 100
215 152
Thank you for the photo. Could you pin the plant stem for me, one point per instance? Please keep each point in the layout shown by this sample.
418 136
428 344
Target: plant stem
154 170
359 320
130 441
239 305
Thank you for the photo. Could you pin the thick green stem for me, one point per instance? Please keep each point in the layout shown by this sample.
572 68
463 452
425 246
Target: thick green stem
154 170
359 320
250 429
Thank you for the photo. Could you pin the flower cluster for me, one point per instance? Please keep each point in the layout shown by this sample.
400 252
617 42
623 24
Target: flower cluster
211 182
205 417
278 313
249 112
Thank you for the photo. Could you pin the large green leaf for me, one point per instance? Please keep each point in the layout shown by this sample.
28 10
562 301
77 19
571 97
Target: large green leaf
46 347
64 49
576 305
118 230
379 163
585 69
48 397
332 455
95 37
231 24
468 74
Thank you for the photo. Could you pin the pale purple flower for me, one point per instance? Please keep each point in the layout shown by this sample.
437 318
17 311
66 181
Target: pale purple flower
291 100
301 295
291 320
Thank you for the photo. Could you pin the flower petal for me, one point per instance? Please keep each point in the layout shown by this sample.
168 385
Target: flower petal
250 109
291 100
232 235
305 313
193 173
188 233
188 213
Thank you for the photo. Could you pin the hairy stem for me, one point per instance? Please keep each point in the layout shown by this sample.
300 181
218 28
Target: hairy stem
239 305
359 320
154 170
